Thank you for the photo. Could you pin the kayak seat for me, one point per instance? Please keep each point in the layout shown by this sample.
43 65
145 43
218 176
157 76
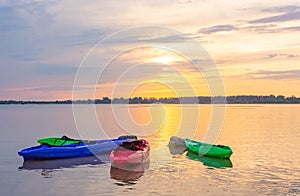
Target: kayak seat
67 138
127 137
136 145
69 145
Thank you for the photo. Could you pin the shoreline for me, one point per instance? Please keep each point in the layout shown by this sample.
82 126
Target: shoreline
240 99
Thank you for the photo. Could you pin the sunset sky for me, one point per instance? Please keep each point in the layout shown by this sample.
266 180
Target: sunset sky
255 46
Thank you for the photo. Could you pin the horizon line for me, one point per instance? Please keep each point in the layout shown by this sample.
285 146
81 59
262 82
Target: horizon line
168 100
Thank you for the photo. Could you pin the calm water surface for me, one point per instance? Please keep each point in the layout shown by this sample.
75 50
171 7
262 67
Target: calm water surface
264 138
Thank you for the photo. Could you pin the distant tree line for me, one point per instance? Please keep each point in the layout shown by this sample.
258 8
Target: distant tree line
240 99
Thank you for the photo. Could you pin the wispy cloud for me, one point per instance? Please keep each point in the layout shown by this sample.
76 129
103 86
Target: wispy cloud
218 28
269 24
269 28
275 75
169 39
255 28
278 18
151 35
288 13
276 9
282 55
261 28
41 88
294 28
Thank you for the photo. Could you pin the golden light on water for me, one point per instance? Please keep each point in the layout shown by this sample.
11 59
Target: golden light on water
172 120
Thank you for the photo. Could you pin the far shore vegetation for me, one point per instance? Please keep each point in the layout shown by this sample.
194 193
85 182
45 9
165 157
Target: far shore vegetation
240 99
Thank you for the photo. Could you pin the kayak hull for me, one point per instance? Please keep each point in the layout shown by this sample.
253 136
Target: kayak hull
127 156
62 152
204 149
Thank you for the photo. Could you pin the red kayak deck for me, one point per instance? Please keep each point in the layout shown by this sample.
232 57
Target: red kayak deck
133 152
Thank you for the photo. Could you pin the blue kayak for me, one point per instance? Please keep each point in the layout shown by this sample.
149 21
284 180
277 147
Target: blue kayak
83 149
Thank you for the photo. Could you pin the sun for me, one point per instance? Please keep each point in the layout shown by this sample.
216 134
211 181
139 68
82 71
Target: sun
164 59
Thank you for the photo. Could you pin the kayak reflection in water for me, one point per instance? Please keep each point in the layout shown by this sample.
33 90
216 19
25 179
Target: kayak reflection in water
128 174
64 163
211 162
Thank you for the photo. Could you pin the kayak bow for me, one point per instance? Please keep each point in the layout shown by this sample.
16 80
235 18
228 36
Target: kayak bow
132 152
204 149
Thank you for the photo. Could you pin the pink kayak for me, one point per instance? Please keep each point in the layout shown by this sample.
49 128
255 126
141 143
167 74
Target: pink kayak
133 152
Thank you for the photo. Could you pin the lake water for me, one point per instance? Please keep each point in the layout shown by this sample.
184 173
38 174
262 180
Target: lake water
264 138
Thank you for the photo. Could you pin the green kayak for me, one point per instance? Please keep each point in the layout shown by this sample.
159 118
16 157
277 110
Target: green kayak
204 149
56 141
66 141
